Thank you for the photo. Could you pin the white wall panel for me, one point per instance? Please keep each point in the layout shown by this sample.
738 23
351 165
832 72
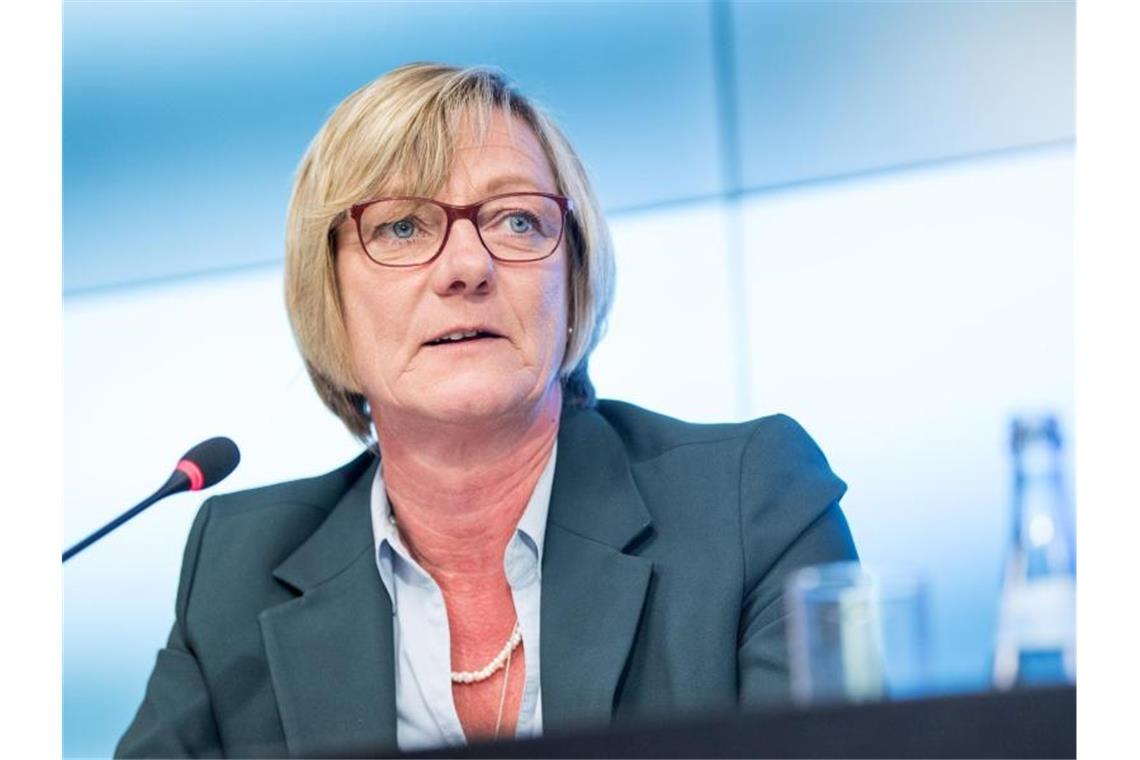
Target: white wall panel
903 319
148 373
829 88
672 346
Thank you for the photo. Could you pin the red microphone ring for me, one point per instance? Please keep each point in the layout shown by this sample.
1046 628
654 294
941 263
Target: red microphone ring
197 480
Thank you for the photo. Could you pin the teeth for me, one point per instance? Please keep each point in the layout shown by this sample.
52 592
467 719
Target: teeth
459 335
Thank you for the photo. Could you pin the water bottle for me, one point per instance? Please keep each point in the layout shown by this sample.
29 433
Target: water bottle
1036 630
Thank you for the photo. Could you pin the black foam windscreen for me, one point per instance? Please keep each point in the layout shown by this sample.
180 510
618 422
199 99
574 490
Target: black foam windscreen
216 458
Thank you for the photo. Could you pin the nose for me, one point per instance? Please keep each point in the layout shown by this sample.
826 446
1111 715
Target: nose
464 266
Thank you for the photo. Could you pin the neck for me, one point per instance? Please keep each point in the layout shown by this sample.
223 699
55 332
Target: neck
459 490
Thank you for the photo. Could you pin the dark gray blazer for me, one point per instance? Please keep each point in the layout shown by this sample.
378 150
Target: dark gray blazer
666 547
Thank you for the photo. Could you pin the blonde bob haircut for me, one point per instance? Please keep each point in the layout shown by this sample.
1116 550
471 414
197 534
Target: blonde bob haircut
395 136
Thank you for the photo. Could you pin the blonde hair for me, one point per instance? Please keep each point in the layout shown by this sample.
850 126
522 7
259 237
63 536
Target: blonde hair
404 125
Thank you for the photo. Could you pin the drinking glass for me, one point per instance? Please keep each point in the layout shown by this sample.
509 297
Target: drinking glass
856 634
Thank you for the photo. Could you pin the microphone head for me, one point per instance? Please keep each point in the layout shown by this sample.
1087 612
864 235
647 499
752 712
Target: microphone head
209 462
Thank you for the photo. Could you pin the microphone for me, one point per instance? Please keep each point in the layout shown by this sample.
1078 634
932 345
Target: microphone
204 465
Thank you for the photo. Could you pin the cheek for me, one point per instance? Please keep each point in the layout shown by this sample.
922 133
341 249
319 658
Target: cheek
369 321
553 307
354 307
354 317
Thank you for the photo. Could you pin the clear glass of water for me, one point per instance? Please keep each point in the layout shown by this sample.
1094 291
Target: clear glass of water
857 634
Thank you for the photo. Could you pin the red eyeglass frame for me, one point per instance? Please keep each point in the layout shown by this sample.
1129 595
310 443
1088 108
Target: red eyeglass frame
453 213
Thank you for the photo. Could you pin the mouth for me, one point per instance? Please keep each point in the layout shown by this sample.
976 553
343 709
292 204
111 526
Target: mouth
455 337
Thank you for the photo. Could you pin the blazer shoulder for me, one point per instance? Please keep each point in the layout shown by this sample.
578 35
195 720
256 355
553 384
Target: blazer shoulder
782 464
779 444
768 471
320 492
781 477
775 440
237 539
647 434
786 487
248 533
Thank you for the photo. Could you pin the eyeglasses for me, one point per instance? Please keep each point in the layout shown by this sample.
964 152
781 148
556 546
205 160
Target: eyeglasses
407 232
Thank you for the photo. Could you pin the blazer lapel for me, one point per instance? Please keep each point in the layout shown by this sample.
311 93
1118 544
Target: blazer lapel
592 593
330 650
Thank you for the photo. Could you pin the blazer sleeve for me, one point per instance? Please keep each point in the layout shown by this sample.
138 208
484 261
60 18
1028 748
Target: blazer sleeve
176 718
790 517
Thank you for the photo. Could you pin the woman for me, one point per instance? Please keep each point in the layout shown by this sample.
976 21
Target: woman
512 557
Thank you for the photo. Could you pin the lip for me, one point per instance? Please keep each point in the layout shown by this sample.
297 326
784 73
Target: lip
488 332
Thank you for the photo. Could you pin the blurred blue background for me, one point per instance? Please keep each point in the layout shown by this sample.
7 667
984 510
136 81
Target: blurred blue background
859 214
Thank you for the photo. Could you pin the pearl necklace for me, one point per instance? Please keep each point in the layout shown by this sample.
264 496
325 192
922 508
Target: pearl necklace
482 674
503 658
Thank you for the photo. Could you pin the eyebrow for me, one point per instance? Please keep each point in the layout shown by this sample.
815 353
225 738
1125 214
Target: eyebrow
510 182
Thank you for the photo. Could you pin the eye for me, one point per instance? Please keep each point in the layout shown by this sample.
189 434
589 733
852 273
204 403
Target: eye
520 223
403 228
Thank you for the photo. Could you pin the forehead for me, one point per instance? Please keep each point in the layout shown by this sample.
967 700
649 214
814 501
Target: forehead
484 154
497 154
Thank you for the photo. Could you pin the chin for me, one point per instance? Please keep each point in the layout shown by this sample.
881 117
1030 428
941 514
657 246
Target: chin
461 400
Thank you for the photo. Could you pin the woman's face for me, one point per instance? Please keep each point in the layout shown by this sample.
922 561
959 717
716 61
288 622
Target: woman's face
393 315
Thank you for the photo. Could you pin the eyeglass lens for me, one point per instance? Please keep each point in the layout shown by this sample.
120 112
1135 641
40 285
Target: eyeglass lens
515 228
